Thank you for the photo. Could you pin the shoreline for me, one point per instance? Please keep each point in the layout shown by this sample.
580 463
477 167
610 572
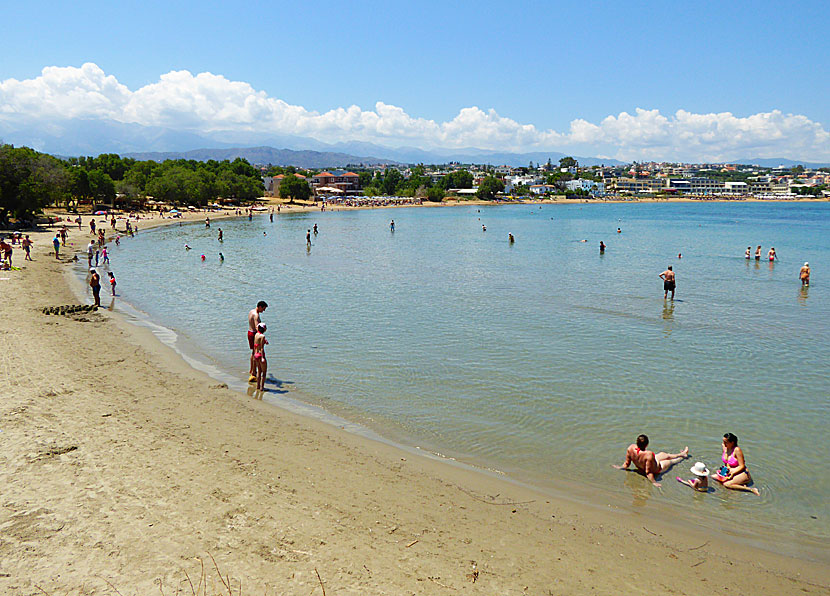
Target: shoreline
765 536
362 492
301 208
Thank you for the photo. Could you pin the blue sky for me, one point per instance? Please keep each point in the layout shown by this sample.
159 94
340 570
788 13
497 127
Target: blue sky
539 64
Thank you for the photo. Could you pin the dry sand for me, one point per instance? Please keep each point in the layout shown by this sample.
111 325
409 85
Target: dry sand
124 471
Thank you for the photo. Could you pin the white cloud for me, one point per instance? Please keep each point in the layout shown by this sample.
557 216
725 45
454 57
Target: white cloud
207 103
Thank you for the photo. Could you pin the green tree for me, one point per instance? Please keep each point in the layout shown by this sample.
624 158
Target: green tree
435 194
101 186
365 179
391 179
568 162
489 187
78 180
371 191
294 188
457 179
29 181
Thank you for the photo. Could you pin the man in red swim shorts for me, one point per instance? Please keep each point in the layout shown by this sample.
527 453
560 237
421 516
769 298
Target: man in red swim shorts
253 321
648 463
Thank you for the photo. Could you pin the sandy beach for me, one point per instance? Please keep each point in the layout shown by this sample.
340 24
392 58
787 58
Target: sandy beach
125 471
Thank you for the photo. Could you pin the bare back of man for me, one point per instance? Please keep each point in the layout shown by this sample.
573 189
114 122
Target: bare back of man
648 463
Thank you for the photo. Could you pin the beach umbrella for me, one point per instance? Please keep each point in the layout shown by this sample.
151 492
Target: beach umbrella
100 213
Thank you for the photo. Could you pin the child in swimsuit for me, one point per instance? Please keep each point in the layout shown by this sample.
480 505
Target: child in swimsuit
260 363
701 482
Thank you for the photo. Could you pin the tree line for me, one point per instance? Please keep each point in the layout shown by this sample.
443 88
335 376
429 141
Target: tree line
30 181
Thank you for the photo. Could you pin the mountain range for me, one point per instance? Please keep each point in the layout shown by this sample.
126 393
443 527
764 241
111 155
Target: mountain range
75 137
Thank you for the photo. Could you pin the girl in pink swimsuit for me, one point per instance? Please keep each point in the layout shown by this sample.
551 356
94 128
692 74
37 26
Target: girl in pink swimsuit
734 474
260 363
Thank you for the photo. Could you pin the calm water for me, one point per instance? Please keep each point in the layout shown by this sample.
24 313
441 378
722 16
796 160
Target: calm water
543 359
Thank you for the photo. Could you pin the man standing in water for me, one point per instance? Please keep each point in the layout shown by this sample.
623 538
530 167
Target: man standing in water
253 321
95 284
668 282
648 463
90 252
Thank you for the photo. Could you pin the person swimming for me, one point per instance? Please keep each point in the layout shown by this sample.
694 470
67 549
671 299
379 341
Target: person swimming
510 238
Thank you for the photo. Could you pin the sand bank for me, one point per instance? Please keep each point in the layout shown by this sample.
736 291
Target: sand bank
121 465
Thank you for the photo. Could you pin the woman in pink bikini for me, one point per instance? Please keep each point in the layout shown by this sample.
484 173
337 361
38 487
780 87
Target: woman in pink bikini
734 474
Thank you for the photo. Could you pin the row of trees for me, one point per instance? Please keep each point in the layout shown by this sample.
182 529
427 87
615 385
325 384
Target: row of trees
178 181
419 184
30 181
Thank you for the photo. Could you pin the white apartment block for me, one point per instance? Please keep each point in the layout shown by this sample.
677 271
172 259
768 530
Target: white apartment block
596 188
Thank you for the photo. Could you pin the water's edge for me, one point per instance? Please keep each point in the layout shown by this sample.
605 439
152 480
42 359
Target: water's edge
765 538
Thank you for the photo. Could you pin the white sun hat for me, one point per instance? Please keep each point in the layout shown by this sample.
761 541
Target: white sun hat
699 469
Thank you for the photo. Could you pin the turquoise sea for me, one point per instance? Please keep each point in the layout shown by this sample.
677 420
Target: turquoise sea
542 359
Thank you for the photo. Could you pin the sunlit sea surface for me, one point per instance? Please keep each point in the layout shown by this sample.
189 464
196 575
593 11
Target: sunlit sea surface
543 359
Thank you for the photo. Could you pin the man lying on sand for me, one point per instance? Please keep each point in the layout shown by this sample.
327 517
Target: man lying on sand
648 463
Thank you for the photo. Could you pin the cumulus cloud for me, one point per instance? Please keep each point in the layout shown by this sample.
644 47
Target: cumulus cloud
210 103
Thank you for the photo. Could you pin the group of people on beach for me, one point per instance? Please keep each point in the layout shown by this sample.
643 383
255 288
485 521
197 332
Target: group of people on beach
7 249
733 474
96 251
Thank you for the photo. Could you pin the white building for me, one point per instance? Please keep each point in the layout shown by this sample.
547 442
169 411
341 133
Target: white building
736 188
541 189
595 188
510 182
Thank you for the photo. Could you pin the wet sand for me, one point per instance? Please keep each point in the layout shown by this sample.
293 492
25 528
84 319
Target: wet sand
122 465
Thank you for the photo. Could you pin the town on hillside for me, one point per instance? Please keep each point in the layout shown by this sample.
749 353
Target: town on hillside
34 180
651 180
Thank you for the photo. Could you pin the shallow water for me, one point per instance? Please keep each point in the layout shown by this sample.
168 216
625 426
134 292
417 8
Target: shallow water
541 358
